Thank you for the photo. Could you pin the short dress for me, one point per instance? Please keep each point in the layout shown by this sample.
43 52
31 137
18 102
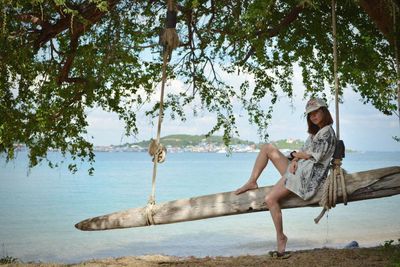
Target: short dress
311 173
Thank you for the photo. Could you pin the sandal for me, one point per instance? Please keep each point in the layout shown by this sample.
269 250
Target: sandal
280 255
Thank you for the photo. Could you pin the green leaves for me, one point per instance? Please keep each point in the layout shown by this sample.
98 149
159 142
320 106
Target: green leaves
60 58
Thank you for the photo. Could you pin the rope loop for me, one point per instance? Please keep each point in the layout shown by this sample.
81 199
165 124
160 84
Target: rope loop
157 151
331 189
149 212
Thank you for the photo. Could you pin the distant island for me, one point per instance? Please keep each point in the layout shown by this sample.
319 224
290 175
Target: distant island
201 143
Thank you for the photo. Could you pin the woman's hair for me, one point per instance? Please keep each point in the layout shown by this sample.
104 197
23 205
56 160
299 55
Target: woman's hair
327 119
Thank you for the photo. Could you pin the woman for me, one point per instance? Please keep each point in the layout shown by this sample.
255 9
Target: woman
303 171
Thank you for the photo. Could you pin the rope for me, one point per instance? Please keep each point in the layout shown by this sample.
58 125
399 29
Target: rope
149 212
170 40
397 57
330 188
335 67
155 144
157 151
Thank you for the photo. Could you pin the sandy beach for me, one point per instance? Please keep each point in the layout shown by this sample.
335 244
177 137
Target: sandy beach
376 256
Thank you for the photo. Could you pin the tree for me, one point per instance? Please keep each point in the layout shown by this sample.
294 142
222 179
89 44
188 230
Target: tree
59 58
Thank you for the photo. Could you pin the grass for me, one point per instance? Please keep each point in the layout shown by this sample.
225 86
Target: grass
5 259
8 259
390 246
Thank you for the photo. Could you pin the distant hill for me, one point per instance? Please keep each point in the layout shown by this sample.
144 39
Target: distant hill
184 140
288 144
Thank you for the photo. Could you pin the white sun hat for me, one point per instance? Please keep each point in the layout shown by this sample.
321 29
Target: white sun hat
314 104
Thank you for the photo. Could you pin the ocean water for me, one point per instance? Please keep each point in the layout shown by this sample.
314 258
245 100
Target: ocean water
38 209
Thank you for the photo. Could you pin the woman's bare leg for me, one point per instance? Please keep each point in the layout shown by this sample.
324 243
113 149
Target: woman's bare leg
277 193
267 152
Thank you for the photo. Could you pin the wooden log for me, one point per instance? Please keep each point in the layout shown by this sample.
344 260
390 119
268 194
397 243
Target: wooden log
370 184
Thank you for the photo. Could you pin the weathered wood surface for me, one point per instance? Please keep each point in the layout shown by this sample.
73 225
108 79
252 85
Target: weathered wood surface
370 184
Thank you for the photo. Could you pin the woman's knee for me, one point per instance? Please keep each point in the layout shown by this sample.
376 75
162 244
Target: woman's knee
270 201
268 148
278 192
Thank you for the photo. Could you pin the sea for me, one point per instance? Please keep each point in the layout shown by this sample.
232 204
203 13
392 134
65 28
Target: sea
40 206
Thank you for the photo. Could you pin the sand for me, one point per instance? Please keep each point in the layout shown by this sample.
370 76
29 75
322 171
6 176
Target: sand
377 256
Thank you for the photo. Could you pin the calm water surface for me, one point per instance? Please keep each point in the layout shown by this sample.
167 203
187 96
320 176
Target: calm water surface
38 211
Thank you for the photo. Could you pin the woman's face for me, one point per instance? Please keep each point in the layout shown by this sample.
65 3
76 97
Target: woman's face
317 117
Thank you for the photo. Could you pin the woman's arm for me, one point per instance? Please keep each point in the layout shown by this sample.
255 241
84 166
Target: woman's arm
295 157
300 155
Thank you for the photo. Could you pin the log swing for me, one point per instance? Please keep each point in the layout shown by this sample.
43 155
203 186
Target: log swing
364 185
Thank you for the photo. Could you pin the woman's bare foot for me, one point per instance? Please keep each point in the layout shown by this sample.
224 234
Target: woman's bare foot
281 241
250 185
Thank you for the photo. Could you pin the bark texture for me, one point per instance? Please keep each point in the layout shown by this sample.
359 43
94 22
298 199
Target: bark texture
370 184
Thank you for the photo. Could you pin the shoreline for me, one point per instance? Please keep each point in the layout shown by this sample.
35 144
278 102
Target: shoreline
385 255
38 223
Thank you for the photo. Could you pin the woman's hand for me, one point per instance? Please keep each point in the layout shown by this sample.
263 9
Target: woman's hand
293 166
301 155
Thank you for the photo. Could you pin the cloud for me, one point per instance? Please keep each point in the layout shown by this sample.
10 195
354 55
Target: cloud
105 127
362 126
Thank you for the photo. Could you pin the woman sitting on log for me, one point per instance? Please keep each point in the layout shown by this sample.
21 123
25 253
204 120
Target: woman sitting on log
303 171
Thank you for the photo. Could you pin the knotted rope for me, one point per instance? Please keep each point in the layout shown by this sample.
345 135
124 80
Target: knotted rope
330 188
170 40
157 151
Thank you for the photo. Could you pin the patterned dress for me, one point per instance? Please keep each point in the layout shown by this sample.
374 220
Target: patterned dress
311 173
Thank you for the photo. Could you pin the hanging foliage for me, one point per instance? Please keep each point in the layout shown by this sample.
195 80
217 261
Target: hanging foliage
60 58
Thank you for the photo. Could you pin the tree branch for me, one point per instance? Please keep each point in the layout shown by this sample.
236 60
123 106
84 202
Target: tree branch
211 20
397 2
63 75
290 17
89 12
32 18
67 104
378 11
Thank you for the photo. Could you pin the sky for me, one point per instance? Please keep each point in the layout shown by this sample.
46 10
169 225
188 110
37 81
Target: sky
362 127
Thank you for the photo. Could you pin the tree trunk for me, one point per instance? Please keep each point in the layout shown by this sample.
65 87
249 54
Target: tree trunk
362 185
381 13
